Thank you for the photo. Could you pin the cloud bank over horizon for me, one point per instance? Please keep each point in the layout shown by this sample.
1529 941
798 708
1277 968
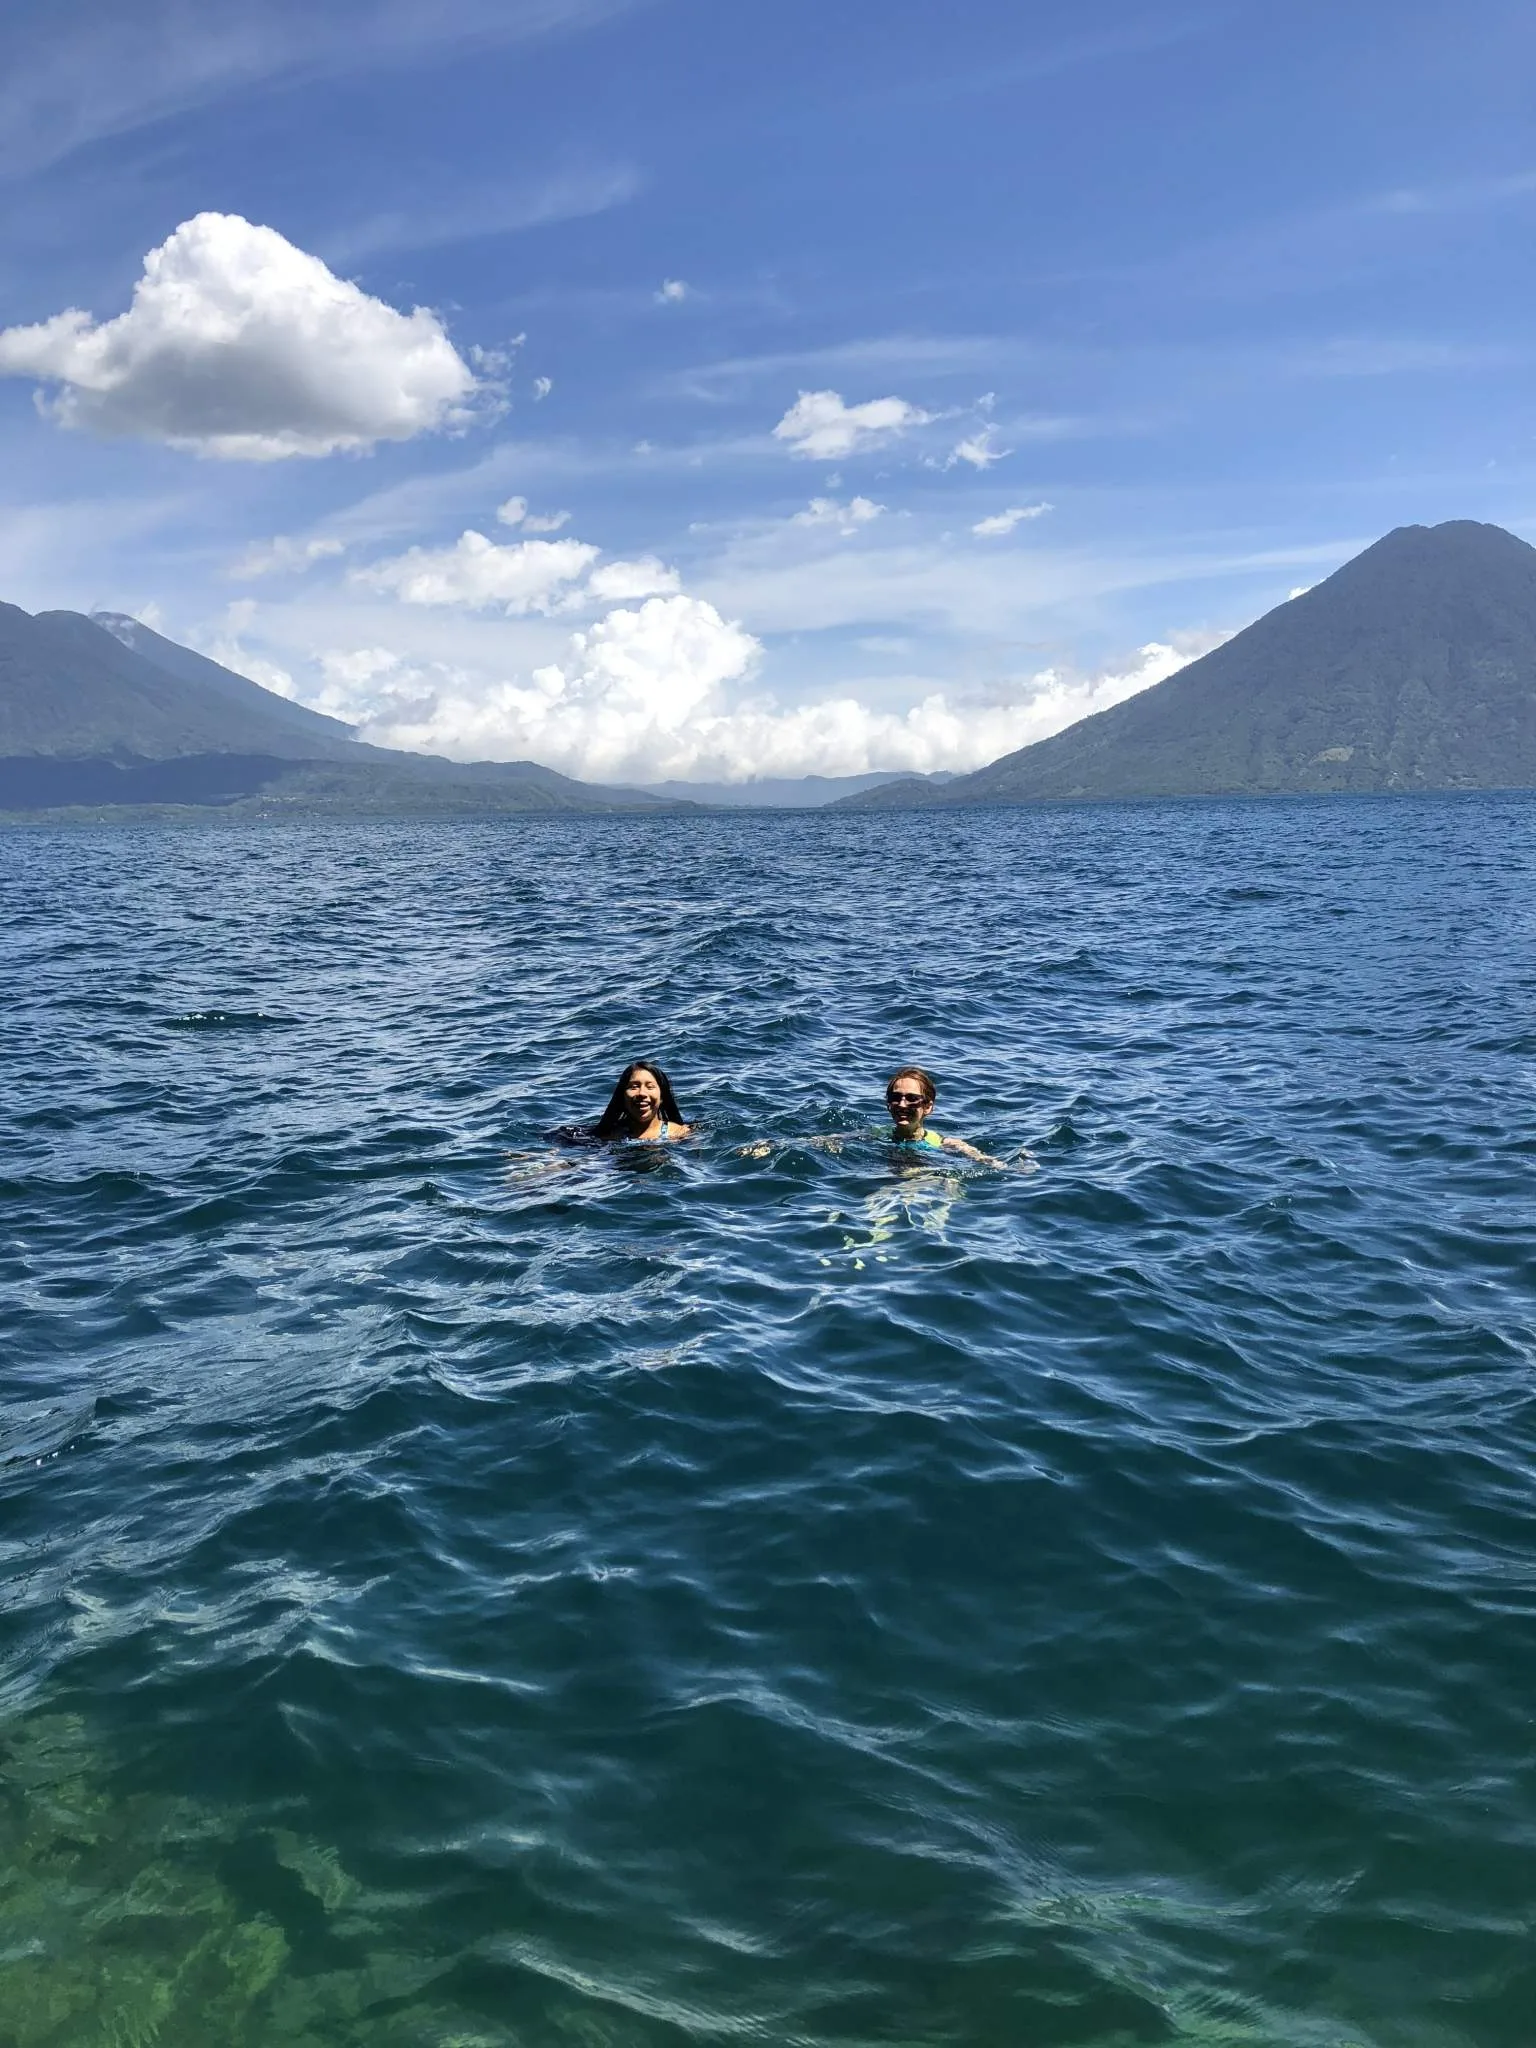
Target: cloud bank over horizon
607 668
669 690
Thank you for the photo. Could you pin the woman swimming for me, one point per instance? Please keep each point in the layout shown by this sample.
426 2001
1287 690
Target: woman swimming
909 1095
642 1107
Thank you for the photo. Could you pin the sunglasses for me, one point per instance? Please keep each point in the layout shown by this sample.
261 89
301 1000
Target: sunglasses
894 1097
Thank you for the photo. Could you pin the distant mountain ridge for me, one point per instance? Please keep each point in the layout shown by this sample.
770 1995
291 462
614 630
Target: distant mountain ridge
71 689
105 713
784 792
1413 667
227 683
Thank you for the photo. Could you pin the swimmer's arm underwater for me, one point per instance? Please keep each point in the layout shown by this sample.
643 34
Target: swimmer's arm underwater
762 1147
968 1151
1023 1161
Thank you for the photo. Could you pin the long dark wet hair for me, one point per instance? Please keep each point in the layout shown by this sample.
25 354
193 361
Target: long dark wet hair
611 1123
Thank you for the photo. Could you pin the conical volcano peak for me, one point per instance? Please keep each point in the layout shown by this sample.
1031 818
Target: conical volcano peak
1412 667
1464 543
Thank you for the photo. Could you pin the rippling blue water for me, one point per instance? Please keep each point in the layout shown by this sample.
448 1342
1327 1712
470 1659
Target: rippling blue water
462 1593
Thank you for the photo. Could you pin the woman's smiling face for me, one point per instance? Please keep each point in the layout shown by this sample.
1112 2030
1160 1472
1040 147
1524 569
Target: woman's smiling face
642 1098
908 1103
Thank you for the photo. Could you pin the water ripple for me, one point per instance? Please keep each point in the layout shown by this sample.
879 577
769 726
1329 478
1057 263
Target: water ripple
468 1590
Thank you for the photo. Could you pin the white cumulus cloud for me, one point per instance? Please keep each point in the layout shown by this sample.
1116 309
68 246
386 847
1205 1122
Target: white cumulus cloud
673 292
658 665
623 582
623 697
820 426
1005 522
542 387
523 576
238 344
846 518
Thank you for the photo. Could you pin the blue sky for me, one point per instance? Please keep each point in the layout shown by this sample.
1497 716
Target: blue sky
656 389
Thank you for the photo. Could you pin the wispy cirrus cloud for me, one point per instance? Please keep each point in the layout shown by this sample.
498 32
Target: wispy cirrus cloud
466 217
1045 60
978 451
1453 195
284 555
914 582
1389 355
872 355
1001 523
1351 239
81 71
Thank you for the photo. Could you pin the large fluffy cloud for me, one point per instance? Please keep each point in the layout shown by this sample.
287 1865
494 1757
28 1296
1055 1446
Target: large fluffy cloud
237 344
820 426
665 690
626 695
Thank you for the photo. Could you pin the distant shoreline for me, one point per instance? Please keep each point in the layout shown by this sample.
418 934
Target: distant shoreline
222 816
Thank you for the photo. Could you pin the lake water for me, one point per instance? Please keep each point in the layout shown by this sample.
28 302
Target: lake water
460 1592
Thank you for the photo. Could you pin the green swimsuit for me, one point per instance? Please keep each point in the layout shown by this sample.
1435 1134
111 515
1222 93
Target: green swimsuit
931 1138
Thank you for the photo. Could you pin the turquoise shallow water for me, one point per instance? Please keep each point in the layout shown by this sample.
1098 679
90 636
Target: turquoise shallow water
460 1593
